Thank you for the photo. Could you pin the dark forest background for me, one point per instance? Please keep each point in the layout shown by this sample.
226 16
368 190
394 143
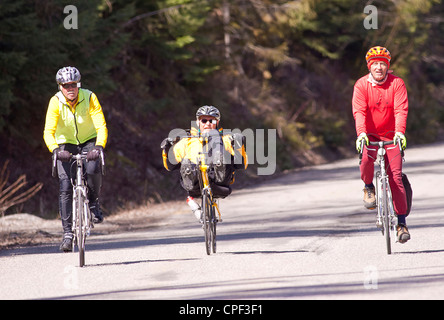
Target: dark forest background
284 65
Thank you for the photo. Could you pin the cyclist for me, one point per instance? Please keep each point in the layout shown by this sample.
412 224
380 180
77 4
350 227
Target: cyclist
226 153
75 124
380 108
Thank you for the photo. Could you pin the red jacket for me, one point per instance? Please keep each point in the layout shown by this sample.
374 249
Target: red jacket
380 109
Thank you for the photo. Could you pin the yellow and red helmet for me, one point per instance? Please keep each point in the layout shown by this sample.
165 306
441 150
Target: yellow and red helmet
378 54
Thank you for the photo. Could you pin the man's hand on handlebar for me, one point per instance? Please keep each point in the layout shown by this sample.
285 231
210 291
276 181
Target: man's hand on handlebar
359 141
169 142
94 153
402 139
62 155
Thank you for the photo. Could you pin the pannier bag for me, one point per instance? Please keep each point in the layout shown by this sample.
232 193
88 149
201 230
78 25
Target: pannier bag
189 176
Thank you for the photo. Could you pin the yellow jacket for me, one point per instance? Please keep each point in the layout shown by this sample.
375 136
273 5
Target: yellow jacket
76 124
189 148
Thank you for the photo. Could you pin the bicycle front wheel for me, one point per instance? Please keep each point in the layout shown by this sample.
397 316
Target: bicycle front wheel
213 228
80 228
386 217
206 214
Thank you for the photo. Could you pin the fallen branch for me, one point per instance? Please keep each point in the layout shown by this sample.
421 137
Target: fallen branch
9 196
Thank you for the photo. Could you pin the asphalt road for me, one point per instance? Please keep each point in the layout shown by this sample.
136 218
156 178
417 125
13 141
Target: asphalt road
304 235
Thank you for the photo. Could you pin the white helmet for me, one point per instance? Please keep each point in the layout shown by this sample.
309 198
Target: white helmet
208 111
68 74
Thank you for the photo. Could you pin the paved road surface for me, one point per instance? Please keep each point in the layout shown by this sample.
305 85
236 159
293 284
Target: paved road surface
304 235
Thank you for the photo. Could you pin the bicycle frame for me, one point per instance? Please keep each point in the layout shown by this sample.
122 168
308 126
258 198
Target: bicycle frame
208 202
208 205
204 180
386 216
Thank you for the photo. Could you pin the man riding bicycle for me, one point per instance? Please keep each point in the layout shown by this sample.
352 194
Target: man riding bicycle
75 124
226 153
380 109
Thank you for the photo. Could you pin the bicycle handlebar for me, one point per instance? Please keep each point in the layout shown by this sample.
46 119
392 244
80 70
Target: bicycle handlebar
76 157
204 135
384 143
380 144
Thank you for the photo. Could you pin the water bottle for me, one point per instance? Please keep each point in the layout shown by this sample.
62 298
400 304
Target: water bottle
195 207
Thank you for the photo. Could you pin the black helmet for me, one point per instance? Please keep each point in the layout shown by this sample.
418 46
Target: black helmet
208 111
68 74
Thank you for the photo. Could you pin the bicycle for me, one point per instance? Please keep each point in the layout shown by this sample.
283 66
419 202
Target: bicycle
209 202
386 219
82 219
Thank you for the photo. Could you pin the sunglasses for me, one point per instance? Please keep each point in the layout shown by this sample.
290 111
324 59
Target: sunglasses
69 85
212 121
